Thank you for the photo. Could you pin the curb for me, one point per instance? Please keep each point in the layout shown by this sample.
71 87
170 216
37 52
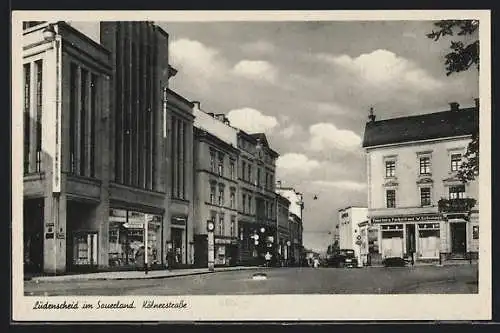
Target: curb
144 277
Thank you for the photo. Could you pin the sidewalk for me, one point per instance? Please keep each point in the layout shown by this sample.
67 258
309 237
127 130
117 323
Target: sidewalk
136 275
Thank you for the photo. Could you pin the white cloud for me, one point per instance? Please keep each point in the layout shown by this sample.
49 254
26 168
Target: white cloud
342 184
251 120
331 108
293 162
196 58
256 70
290 131
325 136
383 68
260 47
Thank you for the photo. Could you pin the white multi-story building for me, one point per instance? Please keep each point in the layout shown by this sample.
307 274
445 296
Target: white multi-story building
412 164
349 231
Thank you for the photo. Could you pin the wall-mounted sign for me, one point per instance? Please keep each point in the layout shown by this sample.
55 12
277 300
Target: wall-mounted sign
407 218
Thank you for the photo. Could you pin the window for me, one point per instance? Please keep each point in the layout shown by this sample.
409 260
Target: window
221 225
212 194
457 192
249 173
390 168
258 177
220 166
425 196
390 198
243 170
231 199
221 195
233 226
250 204
39 102
231 169
272 210
425 165
455 161
27 117
212 160
244 201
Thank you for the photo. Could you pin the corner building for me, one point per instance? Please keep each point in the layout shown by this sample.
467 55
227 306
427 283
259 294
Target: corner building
412 165
96 161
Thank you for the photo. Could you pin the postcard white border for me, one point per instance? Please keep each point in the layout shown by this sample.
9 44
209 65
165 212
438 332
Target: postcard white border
264 307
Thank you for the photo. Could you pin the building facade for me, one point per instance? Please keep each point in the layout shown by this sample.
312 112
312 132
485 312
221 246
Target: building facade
296 209
412 165
283 239
179 119
96 183
257 207
349 231
216 187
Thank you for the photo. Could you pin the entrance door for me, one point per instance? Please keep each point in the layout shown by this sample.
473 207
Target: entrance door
177 245
410 238
33 235
458 237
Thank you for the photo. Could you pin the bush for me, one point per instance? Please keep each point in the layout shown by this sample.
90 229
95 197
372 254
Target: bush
394 262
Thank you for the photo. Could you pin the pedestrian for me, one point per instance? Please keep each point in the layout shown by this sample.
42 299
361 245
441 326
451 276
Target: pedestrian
316 262
268 257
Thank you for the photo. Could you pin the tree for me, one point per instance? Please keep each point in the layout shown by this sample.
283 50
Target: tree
462 57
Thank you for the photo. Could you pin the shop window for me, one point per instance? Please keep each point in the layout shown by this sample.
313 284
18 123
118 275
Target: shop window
127 241
425 196
390 168
85 249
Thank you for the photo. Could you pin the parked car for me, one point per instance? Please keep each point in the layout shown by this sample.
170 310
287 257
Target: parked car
343 258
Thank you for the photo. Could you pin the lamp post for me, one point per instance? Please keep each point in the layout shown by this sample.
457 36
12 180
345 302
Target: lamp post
211 254
146 244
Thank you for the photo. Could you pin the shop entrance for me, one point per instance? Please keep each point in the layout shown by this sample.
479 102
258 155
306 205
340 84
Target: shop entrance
410 239
458 237
33 235
177 245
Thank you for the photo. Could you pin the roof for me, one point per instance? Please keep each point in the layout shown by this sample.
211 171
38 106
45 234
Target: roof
428 126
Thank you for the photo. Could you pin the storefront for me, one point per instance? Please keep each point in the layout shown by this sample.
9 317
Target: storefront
127 230
226 251
402 236
177 245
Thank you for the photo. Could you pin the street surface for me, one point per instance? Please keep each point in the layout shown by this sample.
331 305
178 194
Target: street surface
375 280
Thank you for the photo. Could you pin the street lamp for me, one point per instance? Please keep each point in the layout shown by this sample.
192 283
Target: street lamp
210 236
49 33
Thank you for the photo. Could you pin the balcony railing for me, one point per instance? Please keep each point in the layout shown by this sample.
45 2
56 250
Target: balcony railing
456 205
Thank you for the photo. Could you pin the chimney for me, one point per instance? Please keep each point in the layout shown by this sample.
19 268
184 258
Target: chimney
454 106
476 102
371 116
197 105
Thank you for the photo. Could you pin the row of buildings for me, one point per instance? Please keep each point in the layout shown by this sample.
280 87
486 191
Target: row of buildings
115 160
417 204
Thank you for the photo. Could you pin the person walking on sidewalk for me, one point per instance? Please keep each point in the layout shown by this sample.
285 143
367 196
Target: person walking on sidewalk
268 257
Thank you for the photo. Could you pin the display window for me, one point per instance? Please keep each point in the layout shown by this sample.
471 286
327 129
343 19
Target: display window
85 249
127 230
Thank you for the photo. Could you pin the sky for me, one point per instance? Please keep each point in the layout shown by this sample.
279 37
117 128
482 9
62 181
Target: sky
308 86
